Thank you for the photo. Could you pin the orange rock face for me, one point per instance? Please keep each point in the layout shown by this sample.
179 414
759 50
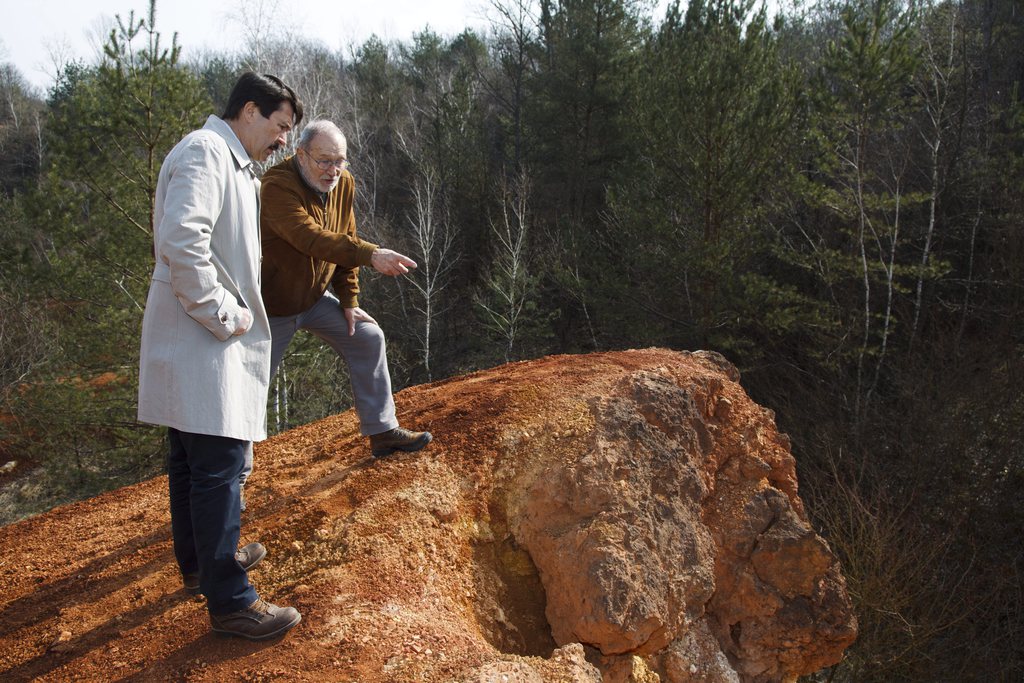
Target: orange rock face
627 516
674 531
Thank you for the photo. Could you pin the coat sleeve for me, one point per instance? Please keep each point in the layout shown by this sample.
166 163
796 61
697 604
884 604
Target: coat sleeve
284 215
196 189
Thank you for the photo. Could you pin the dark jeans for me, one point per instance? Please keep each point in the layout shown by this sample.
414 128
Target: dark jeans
202 472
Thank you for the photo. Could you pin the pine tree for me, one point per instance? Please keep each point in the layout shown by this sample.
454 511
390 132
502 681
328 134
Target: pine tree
715 115
577 101
858 189
110 127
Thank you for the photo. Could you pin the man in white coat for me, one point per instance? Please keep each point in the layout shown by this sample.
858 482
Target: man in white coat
205 357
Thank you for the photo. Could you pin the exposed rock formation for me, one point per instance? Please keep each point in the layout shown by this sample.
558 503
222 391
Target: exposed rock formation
621 517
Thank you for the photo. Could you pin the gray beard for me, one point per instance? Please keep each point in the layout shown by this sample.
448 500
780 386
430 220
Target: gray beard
309 184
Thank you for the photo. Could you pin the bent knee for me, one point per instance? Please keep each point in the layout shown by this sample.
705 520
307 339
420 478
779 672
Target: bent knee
369 333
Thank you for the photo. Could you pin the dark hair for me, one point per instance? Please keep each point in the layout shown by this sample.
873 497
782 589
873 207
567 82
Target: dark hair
268 92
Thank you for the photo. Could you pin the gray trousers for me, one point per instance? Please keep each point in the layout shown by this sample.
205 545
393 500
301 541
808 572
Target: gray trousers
364 353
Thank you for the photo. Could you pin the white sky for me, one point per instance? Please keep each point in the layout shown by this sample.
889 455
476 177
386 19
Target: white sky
33 32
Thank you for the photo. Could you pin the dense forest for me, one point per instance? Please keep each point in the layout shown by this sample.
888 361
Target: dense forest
833 198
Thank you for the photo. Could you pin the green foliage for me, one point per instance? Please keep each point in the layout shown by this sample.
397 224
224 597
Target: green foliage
446 121
859 203
376 72
515 54
110 124
218 74
109 128
872 61
575 106
27 342
832 199
715 109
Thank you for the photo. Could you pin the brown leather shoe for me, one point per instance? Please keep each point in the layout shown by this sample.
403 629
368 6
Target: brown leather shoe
258 621
398 439
248 556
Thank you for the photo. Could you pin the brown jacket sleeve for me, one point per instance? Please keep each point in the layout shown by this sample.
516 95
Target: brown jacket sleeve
285 215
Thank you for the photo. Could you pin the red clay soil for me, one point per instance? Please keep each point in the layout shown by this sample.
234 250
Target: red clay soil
90 591
401 568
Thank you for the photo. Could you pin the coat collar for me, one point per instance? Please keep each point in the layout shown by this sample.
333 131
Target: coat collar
221 128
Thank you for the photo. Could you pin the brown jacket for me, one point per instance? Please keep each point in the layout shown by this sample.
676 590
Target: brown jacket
309 241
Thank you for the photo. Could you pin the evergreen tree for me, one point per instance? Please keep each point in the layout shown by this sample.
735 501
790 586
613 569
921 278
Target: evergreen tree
515 52
858 190
715 113
577 106
577 117
110 127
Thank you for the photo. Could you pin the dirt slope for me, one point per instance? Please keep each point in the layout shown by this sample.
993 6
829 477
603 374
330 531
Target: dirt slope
414 568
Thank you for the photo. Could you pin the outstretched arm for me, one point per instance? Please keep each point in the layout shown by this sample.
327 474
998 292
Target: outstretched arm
284 215
390 262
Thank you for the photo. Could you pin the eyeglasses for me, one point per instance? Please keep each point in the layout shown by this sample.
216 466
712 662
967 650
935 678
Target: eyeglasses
328 164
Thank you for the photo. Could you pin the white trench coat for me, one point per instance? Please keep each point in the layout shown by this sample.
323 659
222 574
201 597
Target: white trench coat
194 375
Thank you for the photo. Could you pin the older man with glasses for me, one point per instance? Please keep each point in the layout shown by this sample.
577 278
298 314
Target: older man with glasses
309 243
